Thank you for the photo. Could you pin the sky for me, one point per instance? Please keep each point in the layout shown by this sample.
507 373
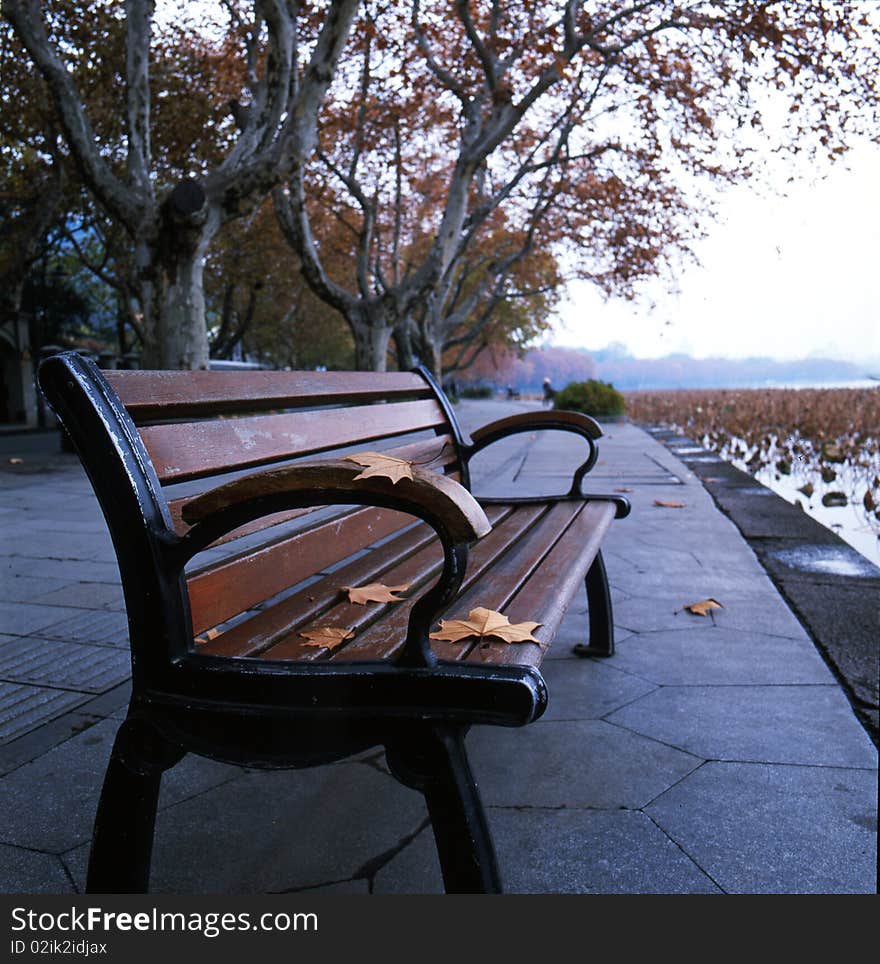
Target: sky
785 277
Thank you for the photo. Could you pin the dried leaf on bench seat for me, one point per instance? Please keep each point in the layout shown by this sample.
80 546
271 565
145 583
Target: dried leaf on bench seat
485 622
375 463
207 636
702 607
375 592
327 636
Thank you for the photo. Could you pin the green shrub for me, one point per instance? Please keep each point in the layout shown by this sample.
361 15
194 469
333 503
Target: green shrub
477 391
591 398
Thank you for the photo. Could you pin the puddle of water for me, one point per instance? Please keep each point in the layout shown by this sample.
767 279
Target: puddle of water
826 559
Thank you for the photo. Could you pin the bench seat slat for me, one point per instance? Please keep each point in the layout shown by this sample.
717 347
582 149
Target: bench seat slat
193 450
235 585
509 573
545 597
155 395
266 627
385 637
280 622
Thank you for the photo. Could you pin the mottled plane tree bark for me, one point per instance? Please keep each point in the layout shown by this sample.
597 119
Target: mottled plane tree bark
292 50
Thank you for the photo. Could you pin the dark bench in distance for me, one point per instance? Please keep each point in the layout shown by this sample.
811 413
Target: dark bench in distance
183 462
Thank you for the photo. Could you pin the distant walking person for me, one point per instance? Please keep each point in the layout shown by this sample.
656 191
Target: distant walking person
549 393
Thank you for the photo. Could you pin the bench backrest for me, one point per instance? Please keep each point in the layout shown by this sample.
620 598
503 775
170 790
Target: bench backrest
151 440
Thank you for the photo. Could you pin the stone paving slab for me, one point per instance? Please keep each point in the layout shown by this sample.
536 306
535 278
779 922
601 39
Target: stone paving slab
589 689
68 570
15 587
84 595
581 763
49 804
23 707
21 619
563 852
287 830
716 657
90 626
29 872
66 665
643 611
772 724
757 828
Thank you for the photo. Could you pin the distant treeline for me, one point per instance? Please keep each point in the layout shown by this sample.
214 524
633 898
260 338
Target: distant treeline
564 365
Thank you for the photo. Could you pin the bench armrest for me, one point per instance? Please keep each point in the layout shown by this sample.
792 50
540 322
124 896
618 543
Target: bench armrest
444 499
561 421
445 505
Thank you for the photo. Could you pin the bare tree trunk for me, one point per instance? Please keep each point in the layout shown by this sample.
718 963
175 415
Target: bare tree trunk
407 358
183 336
371 347
431 344
171 282
173 233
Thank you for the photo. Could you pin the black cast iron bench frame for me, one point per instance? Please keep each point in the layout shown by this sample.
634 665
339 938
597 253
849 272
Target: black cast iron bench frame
288 713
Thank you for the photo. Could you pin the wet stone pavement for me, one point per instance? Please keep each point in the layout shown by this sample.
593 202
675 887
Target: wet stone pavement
710 754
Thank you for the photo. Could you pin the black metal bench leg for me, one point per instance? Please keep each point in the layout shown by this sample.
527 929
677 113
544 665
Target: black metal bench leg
600 613
438 766
122 843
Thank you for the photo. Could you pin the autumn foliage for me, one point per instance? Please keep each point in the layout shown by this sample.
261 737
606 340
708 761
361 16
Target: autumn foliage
440 169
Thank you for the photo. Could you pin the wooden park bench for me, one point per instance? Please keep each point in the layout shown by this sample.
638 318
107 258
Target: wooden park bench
221 466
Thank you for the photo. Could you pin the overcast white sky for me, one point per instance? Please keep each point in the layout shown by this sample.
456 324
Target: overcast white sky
784 277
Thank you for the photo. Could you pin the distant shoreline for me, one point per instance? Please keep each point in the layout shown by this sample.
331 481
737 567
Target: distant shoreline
853 383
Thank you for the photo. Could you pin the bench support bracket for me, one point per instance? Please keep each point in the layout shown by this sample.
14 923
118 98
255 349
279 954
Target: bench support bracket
123 838
600 612
437 765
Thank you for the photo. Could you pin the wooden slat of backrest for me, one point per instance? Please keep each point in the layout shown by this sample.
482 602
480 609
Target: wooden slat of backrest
159 395
192 450
266 522
437 454
235 585
547 594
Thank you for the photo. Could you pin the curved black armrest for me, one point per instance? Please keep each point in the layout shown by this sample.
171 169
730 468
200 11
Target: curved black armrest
562 421
445 505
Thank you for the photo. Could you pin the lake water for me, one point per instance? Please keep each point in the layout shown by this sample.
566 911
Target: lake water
851 521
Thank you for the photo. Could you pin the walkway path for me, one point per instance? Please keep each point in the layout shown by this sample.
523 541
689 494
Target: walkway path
709 754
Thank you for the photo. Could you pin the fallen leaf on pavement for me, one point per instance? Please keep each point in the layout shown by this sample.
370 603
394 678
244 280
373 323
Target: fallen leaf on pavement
703 607
485 622
326 636
668 504
375 592
375 463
